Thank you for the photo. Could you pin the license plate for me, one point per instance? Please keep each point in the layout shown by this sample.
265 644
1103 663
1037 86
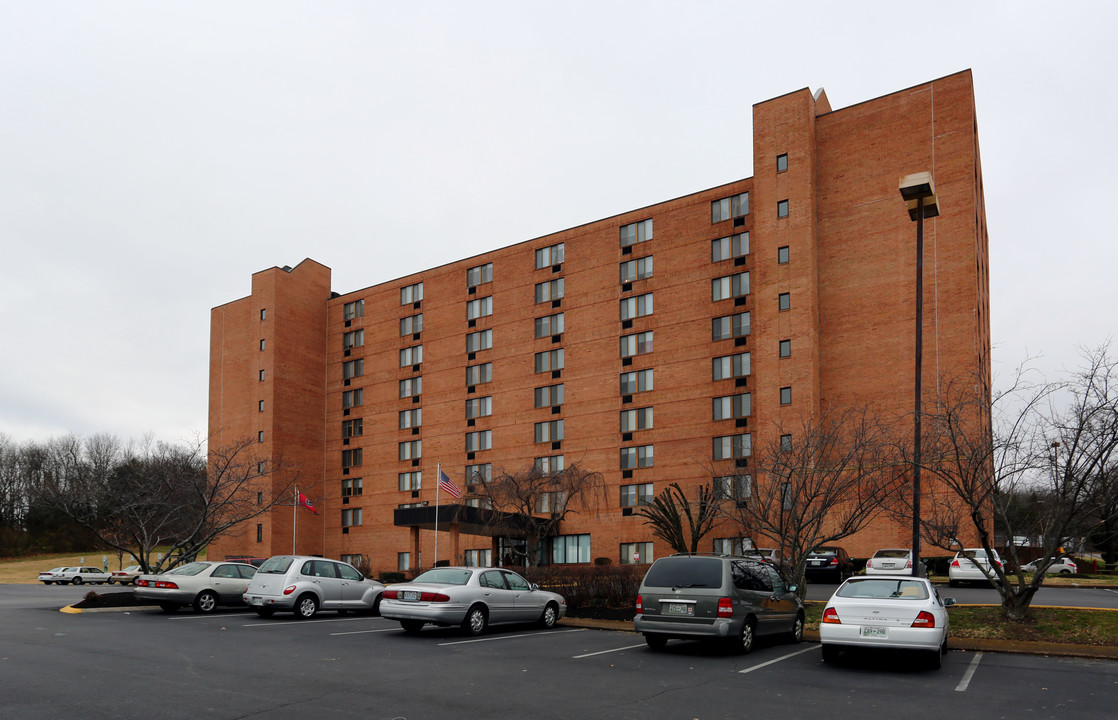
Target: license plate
872 631
887 565
411 595
257 601
679 609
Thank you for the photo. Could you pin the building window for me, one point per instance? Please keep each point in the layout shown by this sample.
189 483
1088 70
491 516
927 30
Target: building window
353 368
260 375
637 232
410 480
481 440
353 398
734 246
639 553
481 340
550 502
733 487
479 308
549 325
262 344
351 517
782 209
635 382
785 396
782 255
634 495
411 355
730 366
478 374
411 324
549 396
784 301
549 464
351 486
785 348
260 436
479 407
731 286
570 549
786 495
411 418
636 307
786 443
351 458
549 360
636 457
731 407
411 294
782 162
551 431
550 290
411 387
260 406
731 546
730 207
263 314
260 468
259 532
351 339
481 473
403 561
352 428
638 344
637 419
354 309
732 446
638 269
548 256
479 558
723 328
478 275
411 450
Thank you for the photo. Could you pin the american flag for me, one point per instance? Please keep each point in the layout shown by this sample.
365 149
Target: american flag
447 486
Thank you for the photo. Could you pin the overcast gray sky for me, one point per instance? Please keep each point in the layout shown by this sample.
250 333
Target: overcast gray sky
154 155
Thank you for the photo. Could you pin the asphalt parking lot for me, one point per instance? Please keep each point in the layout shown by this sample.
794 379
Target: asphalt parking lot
235 665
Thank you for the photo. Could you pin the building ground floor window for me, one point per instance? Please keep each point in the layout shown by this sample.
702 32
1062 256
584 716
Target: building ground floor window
637 553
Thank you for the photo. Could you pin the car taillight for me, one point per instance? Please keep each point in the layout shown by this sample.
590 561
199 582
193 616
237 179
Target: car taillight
924 620
166 585
142 583
954 563
909 564
289 589
834 561
640 605
830 615
433 597
391 594
725 607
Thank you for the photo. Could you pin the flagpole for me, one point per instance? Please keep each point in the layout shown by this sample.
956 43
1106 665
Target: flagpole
438 475
294 519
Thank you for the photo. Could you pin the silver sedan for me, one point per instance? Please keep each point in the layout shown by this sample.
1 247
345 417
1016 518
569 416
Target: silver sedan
472 598
201 585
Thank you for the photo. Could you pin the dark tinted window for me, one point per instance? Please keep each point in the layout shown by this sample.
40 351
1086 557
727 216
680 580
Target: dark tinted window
516 582
450 576
226 571
492 579
325 568
777 581
751 576
246 571
685 572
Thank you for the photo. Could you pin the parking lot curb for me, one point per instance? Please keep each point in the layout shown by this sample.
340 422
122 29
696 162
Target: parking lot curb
127 608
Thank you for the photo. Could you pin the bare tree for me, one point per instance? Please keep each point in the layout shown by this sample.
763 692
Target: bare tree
817 483
1103 513
1045 441
533 503
669 509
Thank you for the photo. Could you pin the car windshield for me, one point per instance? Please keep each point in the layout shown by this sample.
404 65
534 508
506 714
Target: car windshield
449 576
891 554
878 588
189 569
685 572
276 566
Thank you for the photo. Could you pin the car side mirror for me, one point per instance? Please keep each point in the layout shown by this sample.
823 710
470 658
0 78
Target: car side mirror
793 588
948 601
534 586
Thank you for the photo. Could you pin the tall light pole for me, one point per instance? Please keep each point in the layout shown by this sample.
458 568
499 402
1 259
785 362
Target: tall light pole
919 193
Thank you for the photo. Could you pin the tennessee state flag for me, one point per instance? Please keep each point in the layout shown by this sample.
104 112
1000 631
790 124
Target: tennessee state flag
306 503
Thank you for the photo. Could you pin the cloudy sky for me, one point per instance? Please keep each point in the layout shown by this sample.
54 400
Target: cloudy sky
154 155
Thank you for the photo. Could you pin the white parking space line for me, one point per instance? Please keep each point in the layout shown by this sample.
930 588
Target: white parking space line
965 682
296 623
603 652
362 632
783 657
205 617
510 637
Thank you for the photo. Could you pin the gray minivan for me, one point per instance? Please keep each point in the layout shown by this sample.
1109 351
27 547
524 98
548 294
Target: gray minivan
304 585
717 597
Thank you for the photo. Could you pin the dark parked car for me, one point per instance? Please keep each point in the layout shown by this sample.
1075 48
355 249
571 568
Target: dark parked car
830 564
716 597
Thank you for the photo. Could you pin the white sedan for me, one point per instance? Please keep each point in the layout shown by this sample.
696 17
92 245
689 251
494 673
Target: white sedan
1059 566
891 561
885 612
74 575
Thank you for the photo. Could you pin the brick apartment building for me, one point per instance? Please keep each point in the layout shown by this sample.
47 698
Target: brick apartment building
596 344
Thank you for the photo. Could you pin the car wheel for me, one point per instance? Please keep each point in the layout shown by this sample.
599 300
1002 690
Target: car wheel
797 633
654 641
743 643
110 581
306 607
476 620
831 653
169 607
550 616
265 612
206 602
77 581
411 626
48 582
1065 571
376 605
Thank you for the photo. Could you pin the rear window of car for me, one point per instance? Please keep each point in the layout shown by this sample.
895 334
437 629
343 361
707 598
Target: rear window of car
188 569
891 554
685 572
450 576
880 588
276 565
